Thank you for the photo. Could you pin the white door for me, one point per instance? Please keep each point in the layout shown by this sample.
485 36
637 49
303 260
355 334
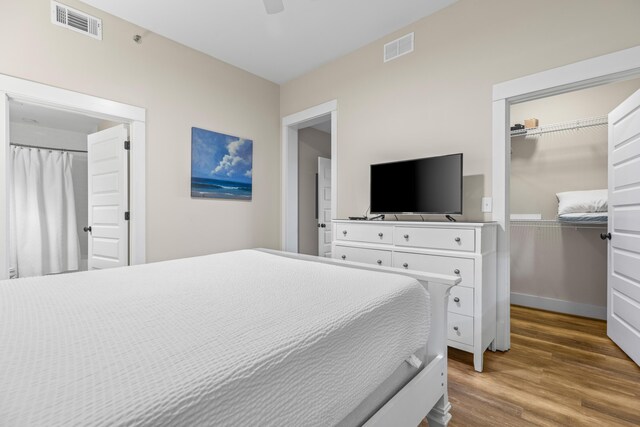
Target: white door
324 207
623 276
108 164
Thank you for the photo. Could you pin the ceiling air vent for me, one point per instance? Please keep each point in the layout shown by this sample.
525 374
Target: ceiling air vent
75 20
398 47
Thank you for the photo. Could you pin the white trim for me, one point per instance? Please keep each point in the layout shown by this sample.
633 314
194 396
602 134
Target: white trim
560 306
52 97
289 172
608 68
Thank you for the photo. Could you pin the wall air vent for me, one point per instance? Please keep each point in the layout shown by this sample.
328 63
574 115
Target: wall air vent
76 20
398 47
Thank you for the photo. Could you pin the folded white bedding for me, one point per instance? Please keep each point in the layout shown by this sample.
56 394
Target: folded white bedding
230 339
582 201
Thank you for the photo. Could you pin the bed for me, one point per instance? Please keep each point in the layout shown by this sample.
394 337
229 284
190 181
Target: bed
226 339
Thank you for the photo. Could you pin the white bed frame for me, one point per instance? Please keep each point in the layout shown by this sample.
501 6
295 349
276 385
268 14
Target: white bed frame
426 394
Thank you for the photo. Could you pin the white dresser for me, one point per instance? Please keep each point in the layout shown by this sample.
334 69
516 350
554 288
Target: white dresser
455 248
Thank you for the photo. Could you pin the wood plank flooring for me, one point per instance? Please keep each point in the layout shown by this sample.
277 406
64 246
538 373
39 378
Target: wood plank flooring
561 370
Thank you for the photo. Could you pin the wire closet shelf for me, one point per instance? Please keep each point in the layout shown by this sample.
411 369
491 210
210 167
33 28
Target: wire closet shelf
554 223
564 126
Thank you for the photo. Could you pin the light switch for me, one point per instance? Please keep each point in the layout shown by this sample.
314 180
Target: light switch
487 204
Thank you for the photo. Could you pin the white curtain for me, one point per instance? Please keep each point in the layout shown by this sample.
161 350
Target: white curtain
44 234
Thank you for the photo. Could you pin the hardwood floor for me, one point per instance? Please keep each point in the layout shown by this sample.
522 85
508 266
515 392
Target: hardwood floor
561 370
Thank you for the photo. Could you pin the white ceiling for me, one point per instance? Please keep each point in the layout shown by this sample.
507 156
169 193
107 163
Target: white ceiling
280 47
20 112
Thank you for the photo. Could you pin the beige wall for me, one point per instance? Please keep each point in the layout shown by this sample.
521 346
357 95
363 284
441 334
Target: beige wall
312 144
546 164
179 88
437 100
562 263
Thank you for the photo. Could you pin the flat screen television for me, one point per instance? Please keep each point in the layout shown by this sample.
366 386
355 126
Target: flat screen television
432 185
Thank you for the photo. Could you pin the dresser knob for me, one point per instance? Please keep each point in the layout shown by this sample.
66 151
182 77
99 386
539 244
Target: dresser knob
344 232
344 257
379 262
405 265
406 236
456 299
456 271
380 234
455 328
457 239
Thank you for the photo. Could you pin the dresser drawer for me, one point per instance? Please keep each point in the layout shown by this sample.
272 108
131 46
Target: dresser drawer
461 301
462 267
455 239
460 328
368 233
367 256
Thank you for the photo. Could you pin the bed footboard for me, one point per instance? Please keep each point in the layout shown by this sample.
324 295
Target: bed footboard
426 394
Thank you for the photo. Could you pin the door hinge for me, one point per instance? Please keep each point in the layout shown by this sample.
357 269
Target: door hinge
126 216
127 145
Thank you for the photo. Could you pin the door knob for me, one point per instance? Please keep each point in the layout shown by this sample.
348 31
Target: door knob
344 232
379 262
604 236
87 229
455 328
456 299
405 265
380 234
456 271
344 257
457 239
323 225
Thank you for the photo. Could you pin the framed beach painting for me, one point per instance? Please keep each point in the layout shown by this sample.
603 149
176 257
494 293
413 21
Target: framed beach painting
221 166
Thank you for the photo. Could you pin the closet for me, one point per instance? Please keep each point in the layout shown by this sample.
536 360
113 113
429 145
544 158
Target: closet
49 199
559 181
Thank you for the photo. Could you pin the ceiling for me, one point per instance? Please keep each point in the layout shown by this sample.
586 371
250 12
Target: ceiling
324 126
20 112
279 47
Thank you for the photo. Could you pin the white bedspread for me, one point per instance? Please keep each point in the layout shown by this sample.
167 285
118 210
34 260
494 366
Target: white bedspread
240 338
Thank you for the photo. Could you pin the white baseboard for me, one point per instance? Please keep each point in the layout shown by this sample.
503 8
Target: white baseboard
559 306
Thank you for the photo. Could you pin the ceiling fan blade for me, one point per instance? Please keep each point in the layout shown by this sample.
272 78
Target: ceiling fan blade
273 6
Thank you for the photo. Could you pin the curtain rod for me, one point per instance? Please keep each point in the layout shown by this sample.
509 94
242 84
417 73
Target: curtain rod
47 148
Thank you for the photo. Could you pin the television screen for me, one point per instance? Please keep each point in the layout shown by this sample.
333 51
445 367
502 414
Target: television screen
427 186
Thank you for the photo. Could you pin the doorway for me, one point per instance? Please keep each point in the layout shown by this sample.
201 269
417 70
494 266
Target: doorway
22 91
320 115
558 199
314 189
593 72
48 215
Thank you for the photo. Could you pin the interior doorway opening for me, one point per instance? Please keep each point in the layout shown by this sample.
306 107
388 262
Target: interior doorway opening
617 66
14 89
558 199
314 188
321 116
50 203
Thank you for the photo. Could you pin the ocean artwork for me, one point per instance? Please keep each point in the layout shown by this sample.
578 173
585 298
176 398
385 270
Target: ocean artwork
221 165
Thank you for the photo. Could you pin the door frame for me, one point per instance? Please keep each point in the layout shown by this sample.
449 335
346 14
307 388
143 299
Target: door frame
289 171
13 88
609 68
